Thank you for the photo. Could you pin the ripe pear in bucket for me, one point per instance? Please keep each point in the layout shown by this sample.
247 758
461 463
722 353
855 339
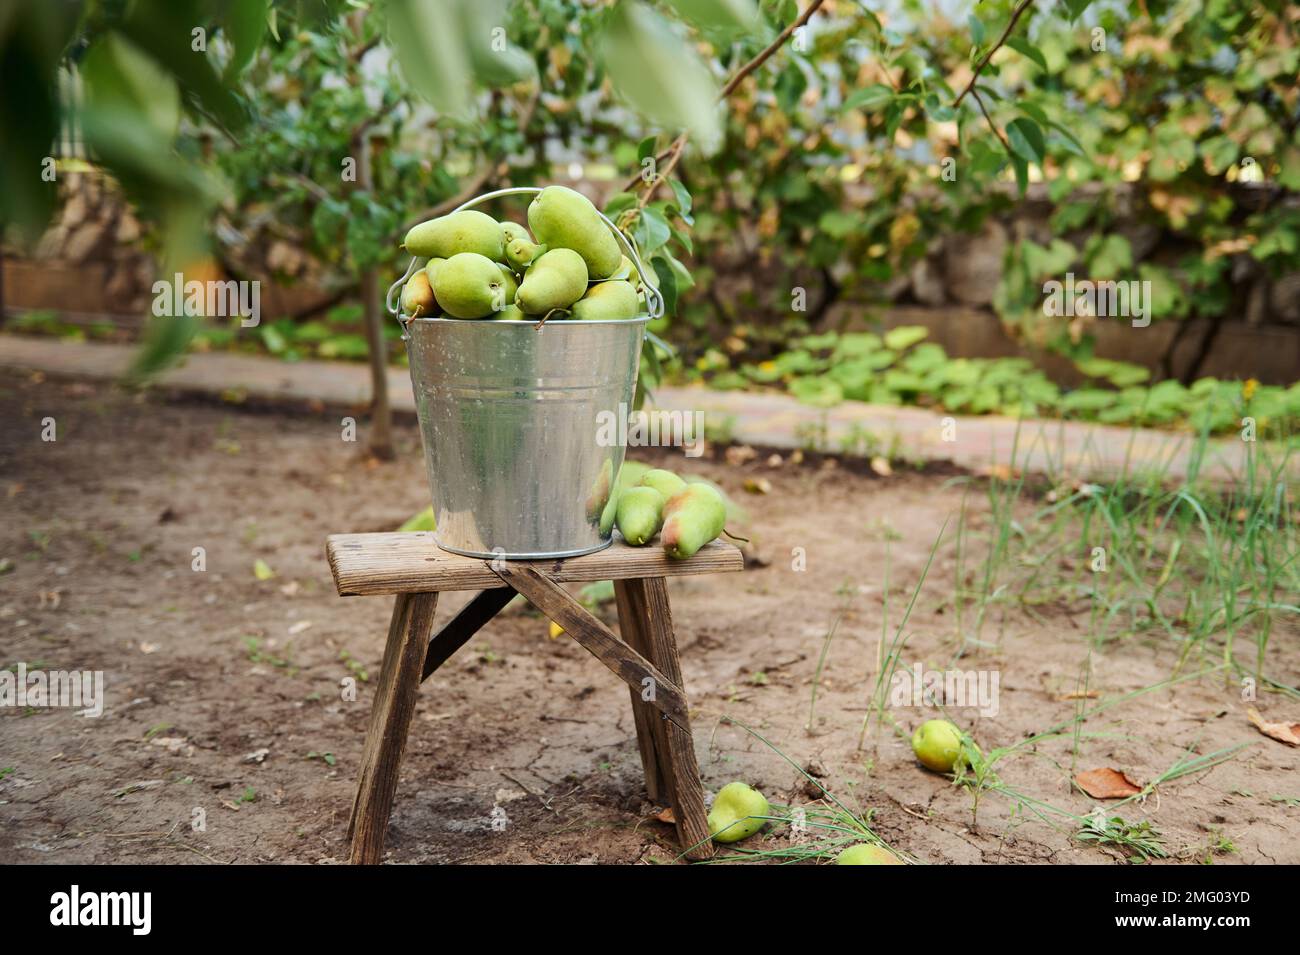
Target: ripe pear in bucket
564 219
469 285
464 231
608 301
520 249
417 297
692 518
556 280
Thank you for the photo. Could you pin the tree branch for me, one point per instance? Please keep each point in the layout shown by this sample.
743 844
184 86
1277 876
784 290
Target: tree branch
992 125
984 61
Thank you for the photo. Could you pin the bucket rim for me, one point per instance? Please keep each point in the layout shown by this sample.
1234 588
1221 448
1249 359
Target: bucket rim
639 320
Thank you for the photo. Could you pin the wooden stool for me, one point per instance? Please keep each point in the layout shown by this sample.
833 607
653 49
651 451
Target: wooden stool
416 570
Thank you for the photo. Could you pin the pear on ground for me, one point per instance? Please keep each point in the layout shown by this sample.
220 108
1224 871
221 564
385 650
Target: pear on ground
866 854
692 518
937 744
664 481
608 302
417 296
466 231
556 280
640 512
737 813
469 285
563 219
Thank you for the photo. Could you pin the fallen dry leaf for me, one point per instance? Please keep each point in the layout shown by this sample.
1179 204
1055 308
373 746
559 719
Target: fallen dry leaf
1288 733
667 816
880 466
739 454
1106 784
1079 695
758 485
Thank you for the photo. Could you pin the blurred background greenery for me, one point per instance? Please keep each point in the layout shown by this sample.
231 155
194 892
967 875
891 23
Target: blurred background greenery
845 201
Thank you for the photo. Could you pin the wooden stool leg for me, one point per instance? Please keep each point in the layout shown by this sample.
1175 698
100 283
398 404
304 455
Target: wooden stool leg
390 720
650 738
681 773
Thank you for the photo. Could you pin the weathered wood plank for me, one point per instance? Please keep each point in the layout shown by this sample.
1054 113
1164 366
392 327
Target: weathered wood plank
650 597
469 621
390 721
378 564
650 739
624 662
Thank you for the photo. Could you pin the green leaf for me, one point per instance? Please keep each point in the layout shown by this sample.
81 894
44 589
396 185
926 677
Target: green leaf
434 57
870 98
683 197
817 390
728 17
660 74
262 570
1025 48
646 148
245 25
905 336
1026 139
667 284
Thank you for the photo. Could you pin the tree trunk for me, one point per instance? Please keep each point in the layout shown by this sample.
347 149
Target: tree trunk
381 413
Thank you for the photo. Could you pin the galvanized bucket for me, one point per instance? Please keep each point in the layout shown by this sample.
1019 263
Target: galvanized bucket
523 424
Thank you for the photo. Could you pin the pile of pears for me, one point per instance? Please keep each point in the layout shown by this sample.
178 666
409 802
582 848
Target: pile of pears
686 516
568 267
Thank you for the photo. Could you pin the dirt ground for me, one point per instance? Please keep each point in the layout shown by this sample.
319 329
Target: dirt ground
224 702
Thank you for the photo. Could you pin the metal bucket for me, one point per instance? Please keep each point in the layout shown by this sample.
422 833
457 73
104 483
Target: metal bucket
523 424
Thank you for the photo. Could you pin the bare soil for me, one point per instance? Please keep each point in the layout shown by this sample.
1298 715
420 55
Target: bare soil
225 703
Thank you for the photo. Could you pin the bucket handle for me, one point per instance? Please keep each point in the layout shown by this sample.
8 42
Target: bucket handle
654 298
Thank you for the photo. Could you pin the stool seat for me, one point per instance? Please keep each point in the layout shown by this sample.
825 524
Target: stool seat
412 567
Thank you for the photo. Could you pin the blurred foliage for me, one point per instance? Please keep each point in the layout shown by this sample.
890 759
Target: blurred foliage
825 175
901 368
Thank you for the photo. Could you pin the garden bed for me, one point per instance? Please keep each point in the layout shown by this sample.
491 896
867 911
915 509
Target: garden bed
225 705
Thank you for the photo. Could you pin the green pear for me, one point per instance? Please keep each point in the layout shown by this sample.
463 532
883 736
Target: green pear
866 854
608 514
511 313
431 270
607 302
417 296
640 512
631 473
466 231
564 219
937 744
469 285
510 288
520 249
737 813
665 482
692 518
556 280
